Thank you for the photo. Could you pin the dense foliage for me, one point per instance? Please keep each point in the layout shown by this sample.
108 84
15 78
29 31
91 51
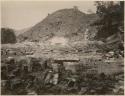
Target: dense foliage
7 36
111 18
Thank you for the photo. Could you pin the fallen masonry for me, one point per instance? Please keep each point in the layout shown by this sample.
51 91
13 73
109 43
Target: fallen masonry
31 75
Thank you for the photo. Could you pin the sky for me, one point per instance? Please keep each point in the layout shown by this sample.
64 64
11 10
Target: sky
24 14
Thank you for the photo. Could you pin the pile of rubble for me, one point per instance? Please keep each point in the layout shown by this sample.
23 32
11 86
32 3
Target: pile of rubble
38 76
20 51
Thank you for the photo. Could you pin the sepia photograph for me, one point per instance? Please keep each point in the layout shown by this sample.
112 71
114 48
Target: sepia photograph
62 47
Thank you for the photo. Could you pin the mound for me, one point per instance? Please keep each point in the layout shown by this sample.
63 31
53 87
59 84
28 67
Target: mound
69 23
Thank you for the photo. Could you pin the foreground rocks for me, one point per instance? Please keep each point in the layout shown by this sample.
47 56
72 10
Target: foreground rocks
31 75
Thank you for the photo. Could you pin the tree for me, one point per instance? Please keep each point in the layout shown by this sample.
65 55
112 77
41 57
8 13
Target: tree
111 18
110 24
7 36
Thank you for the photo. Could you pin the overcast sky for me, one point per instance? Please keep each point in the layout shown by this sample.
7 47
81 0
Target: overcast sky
23 14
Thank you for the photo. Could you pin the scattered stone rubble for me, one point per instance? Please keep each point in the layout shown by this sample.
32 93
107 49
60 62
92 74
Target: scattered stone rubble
16 51
36 76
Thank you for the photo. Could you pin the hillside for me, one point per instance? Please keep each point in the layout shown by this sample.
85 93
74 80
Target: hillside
69 23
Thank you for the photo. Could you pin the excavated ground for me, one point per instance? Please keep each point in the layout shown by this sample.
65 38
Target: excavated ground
84 72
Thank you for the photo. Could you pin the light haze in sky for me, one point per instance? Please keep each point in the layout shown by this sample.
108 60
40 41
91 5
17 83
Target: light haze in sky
24 14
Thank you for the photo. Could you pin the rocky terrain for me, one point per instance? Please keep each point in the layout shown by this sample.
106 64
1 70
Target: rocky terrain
59 56
60 73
